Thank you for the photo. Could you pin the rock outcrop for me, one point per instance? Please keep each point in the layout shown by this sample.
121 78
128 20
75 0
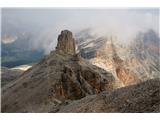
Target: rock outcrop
60 76
66 42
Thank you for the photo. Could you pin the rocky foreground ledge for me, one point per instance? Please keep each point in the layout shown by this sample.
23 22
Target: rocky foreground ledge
140 98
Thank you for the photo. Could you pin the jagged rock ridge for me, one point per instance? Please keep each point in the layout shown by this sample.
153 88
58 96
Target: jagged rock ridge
62 75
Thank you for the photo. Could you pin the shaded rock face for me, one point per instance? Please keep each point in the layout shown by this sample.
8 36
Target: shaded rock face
78 80
66 42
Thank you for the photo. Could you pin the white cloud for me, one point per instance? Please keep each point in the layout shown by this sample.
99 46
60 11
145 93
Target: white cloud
124 23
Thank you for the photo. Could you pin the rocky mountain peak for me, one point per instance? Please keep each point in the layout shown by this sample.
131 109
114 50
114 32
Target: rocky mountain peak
66 42
61 76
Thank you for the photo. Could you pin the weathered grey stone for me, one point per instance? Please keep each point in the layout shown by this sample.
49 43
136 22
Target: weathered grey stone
66 42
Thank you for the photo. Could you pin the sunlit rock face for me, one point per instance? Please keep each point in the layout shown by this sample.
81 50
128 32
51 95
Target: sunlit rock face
106 56
130 64
112 62
125 75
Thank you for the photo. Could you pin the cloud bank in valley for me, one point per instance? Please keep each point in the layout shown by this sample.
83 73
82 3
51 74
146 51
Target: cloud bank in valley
46 24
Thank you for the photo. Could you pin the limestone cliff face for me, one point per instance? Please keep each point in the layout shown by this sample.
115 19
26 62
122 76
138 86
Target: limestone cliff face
62 75
66 42
129 64
112 62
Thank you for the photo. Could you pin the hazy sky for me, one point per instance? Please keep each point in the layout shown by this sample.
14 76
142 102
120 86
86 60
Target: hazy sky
124 23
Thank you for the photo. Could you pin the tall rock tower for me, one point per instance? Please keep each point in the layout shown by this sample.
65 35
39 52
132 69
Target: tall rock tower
66 42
